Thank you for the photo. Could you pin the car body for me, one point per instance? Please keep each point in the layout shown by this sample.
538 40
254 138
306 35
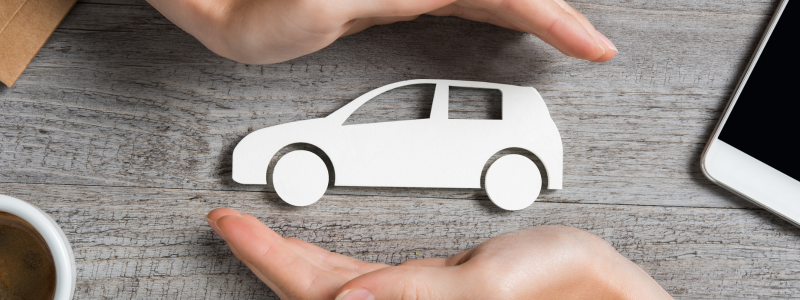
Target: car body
427 153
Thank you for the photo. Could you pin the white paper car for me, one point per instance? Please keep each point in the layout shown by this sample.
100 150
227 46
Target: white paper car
427 153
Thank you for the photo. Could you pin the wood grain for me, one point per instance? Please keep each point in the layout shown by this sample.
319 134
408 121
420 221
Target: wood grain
154 242
121 97
123 127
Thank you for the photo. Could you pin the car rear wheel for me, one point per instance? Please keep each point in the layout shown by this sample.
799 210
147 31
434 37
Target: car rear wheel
300 178
513 182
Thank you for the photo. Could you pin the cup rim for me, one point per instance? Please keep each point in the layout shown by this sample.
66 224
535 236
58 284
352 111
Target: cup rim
63 258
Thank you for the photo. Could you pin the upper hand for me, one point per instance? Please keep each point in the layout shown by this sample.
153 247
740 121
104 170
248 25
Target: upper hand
271 31
544 262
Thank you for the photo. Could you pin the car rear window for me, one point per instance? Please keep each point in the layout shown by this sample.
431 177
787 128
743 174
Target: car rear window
475 103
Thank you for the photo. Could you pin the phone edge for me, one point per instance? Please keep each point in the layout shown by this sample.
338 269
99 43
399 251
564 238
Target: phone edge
729 106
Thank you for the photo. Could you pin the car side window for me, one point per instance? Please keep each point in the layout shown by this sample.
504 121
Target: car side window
475 103
410 102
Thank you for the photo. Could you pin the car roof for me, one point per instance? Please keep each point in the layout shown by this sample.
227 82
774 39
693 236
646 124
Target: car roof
507 90
458 83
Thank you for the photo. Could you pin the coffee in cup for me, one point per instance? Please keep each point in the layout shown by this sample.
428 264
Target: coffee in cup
27 270
36 260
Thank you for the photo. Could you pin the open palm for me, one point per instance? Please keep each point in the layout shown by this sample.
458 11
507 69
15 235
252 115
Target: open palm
544 262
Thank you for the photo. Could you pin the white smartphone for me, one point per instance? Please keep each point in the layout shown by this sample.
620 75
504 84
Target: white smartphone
755 149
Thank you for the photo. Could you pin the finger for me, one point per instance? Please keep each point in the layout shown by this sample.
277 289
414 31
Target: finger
581 18
425 262
293 246
473 14
460 258
357 9
219 212
359 25
211 218
214 215
311 249
551 23
317 256
260 276
336 260
267 252
390 20
409 282
589 27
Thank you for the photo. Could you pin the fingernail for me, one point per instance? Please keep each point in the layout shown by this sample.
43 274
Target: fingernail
599 43
359 294
607 42
213 225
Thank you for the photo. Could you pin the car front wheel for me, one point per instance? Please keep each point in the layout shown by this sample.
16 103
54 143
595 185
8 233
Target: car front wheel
300 178
513 182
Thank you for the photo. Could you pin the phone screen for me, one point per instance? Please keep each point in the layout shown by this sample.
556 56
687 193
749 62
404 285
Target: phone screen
765 121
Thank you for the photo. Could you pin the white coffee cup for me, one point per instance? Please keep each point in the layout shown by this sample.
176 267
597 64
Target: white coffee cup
57 242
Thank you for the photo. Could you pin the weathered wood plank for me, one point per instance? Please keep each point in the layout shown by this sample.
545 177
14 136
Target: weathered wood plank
121 97
154 243
122 129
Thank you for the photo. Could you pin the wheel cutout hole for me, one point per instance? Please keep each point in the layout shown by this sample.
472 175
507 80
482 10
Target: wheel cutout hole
519 151
301 146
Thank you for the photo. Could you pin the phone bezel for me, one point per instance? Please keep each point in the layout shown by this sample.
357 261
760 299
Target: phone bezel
742 174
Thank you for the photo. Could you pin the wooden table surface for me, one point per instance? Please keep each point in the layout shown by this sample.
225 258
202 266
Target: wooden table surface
122 129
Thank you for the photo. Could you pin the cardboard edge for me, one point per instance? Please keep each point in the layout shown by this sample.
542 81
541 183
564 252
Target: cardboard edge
20 19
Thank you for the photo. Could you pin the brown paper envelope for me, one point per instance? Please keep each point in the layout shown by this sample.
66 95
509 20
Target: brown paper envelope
25 25
8 10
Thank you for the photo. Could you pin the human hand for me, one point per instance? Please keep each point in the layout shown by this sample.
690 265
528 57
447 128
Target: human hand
271 31
292 268
544 262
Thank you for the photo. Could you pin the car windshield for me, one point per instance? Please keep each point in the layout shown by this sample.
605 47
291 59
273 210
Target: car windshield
410 102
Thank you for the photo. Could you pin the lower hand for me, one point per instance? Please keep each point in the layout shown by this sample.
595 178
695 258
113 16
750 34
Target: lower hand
544 262
271 31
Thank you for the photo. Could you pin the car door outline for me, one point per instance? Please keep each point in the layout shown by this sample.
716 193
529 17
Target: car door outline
410 150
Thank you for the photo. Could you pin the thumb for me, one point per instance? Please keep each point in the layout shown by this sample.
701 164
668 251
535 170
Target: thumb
409 282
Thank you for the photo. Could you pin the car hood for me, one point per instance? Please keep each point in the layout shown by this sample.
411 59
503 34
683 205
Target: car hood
253 153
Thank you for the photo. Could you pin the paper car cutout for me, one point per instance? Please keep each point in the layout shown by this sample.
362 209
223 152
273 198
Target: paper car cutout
427 153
